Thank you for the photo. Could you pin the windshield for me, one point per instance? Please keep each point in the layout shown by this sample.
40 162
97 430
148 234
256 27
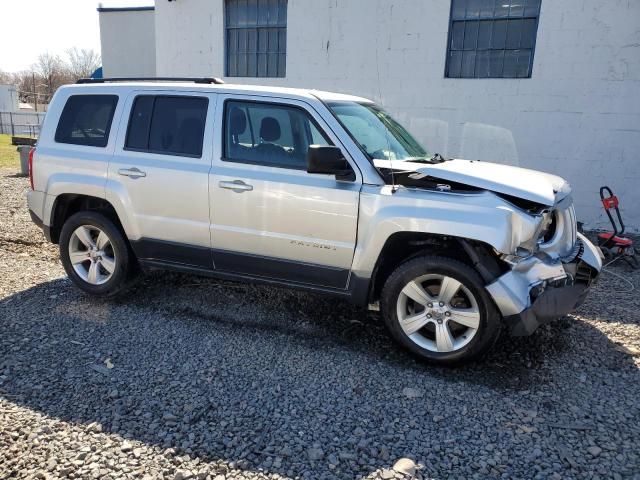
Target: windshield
376 133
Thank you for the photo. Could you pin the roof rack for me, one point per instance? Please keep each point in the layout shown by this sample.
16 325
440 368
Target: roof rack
209 80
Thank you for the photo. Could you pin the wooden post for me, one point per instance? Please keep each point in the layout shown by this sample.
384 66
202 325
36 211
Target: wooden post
35 95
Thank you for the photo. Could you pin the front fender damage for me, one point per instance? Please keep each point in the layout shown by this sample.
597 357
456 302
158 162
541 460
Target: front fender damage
540 289
480 216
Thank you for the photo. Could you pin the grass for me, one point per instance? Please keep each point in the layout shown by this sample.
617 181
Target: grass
9 156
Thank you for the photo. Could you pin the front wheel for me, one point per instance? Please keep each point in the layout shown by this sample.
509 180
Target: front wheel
95 254
438 308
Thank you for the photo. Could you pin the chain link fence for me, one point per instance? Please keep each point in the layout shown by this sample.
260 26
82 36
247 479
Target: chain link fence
21 123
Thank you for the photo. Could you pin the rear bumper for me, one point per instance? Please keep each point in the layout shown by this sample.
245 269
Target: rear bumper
35 203
540 290
38 221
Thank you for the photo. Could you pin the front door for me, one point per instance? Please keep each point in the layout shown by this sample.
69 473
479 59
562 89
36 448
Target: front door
269 217
159 172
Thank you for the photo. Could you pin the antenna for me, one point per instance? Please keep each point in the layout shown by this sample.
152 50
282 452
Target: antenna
393 177
394 187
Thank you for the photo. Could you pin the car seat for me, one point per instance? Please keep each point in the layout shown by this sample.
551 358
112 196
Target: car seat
237 126
270 132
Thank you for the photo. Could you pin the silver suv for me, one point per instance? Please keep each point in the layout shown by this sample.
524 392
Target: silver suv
306 189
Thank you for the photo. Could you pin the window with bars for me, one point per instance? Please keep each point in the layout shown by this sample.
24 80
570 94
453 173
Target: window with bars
256 38
492 38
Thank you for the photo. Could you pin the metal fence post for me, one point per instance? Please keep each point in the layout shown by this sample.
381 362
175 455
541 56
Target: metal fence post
11 121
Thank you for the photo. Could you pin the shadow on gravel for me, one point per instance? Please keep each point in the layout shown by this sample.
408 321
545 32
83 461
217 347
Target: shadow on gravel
14 174
282 381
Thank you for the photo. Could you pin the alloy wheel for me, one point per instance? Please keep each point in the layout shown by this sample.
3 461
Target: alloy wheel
438 313
92 255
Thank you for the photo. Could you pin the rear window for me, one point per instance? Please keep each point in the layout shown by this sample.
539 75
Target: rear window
170 125
86 120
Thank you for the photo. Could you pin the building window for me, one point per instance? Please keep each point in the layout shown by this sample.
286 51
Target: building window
256 38
492 38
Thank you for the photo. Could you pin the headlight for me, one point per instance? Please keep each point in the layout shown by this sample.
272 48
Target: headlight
549 227
531 246
559 236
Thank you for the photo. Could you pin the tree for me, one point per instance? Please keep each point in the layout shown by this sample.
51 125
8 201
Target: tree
5 77
26 82
82 62
51 72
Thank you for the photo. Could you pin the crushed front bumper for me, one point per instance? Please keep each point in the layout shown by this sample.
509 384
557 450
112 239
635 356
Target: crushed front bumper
551 304
538 290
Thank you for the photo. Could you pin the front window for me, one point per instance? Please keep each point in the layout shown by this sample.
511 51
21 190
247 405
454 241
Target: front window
272 135
378 135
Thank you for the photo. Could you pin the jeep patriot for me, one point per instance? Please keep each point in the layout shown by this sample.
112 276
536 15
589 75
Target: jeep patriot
306 189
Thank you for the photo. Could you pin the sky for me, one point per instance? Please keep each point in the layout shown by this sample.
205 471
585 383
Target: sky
32 27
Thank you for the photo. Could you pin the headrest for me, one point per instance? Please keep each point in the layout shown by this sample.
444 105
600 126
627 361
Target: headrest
269 129
238 121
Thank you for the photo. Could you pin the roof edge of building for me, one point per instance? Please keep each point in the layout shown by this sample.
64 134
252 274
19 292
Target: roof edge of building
125 9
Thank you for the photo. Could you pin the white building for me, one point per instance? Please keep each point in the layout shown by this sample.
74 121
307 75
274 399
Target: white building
8 98
128 42
563 97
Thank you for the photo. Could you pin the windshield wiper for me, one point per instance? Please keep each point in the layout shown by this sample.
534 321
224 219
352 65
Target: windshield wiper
435 158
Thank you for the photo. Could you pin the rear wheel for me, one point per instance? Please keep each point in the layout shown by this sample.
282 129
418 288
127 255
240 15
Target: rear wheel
438 308
95 254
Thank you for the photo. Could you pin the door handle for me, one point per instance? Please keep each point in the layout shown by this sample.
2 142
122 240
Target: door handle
237 186
132 172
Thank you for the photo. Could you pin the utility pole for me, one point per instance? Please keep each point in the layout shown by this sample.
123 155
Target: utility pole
35 95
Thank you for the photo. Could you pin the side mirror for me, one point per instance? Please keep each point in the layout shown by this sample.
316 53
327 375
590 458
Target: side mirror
328 160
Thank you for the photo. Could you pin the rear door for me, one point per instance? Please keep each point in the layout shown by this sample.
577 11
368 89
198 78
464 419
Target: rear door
159 172
269 217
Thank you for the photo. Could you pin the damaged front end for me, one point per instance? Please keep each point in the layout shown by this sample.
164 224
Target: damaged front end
541 288
550 273
550 265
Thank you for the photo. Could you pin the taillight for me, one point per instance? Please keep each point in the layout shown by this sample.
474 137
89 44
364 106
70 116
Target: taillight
31 152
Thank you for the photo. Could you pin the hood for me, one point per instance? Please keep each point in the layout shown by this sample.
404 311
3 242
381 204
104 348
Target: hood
530 185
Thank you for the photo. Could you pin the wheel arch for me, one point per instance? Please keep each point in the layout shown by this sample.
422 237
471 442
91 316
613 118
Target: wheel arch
67 204
401 247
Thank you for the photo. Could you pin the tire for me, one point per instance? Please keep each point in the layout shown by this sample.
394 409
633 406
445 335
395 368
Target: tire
427 327
106 271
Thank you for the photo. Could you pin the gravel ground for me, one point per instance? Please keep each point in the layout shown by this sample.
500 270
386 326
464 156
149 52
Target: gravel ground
187 377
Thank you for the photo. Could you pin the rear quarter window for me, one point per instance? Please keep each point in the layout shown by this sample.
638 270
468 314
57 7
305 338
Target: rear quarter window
86 120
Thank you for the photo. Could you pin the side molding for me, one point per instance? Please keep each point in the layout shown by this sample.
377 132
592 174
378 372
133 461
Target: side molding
187 255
